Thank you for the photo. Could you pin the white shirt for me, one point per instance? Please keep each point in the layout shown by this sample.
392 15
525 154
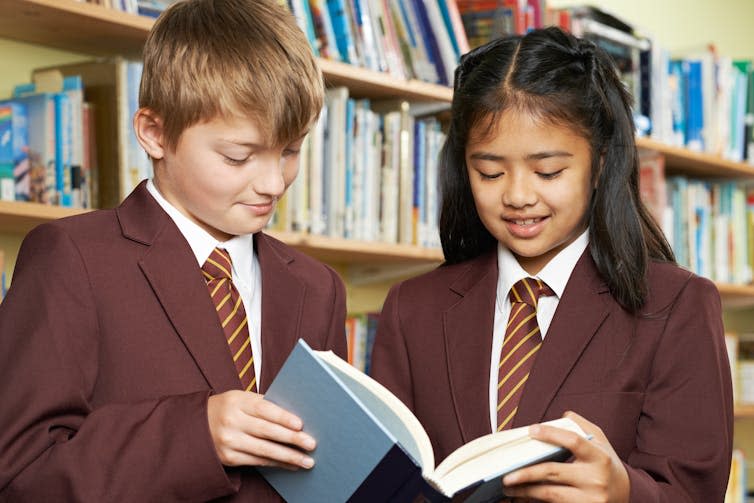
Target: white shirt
246 275
556 274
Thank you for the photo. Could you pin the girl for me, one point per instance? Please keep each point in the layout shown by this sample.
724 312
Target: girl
540 182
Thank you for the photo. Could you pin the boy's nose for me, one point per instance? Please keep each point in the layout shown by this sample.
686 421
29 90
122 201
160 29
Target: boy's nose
269 179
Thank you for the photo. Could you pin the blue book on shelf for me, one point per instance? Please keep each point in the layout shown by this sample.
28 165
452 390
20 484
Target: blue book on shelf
14 148
430 40
694 105
370 447
341 24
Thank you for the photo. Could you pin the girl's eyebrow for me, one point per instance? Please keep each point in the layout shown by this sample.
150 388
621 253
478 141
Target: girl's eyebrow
536 156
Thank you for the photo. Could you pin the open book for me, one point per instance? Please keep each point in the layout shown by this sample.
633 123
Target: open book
370 447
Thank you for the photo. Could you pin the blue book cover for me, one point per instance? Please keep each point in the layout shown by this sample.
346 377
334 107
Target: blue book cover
42 138
341 24
692 70
14 148
430 40
370 447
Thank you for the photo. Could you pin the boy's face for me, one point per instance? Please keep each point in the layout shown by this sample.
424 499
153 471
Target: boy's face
222 177
532 185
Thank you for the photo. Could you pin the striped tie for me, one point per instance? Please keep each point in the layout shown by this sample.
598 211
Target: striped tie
230 310
520 345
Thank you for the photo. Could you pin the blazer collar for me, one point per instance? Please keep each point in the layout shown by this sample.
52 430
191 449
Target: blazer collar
468 351
583 308
170 268
283 296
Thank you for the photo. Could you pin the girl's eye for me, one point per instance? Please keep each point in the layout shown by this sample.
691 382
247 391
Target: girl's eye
551 175
493 176
290 152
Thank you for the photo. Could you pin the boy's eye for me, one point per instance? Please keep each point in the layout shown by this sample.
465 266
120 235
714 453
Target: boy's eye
290 152
234 162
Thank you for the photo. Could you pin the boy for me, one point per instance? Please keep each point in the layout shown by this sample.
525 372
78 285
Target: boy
130 365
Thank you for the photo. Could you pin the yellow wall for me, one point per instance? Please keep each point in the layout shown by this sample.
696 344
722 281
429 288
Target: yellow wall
20 59
680 25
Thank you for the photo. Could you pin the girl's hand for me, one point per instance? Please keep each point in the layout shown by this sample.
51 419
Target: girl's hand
596 474
248 430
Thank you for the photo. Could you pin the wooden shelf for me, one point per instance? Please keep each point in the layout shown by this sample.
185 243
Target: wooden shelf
92 29
736 296
73 26
744 411
348 251
16 217
696 164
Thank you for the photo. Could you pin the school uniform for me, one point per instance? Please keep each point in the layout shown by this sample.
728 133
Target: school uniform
110 346
658 383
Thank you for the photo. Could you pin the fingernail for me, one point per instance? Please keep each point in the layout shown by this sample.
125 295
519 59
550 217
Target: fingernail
309 443
307 462
534 429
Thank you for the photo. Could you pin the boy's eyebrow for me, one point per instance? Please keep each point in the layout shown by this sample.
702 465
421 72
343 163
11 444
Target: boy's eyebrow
252 145
536 156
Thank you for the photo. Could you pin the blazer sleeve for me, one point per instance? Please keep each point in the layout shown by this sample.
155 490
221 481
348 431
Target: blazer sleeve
684 435
336 333
55 443
390 362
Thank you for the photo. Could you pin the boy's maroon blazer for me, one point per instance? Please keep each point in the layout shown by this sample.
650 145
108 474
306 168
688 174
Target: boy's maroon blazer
658 384
110 346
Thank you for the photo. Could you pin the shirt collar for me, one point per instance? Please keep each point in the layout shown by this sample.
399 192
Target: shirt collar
556 273
241 248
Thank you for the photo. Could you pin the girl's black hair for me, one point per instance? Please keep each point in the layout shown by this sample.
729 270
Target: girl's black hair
570 82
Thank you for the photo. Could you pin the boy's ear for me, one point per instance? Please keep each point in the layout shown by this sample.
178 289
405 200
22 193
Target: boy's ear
148 127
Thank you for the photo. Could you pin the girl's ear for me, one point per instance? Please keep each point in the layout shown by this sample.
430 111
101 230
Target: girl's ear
148 127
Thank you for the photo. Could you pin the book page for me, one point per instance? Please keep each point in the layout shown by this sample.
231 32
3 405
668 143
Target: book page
495 454
387 408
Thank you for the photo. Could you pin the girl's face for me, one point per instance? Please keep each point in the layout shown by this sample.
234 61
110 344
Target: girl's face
532 184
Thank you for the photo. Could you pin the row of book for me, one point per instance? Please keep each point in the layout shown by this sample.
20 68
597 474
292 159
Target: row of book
58 129
421 39
360 331
368 171
47 143
709 223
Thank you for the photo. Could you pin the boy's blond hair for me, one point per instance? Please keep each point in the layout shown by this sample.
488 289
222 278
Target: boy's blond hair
205 59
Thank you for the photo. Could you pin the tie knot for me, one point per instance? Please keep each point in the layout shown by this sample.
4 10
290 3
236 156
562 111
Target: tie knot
529 290
218 265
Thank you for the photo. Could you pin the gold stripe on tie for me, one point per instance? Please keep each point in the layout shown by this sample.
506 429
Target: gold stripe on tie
521 342
217 271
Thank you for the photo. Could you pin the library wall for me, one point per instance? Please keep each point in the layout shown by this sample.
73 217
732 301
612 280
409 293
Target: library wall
680 25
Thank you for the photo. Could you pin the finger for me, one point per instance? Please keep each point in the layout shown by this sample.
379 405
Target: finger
548 473
248 449
552 493
586 425
255 405
263 429
558 436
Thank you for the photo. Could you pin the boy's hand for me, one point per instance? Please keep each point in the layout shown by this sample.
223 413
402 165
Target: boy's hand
248 430
596 473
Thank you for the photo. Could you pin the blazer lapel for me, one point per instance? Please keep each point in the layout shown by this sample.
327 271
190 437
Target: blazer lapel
582 309
468 351
173 273
282 303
